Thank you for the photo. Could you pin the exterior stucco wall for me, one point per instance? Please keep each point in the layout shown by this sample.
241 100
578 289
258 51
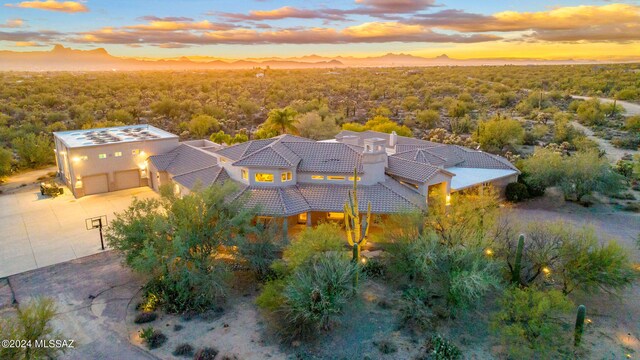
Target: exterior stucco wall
76 163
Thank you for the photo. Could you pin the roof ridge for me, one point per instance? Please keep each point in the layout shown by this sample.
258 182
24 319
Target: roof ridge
430 153
397 193
413 161
284 204
199 169
279 153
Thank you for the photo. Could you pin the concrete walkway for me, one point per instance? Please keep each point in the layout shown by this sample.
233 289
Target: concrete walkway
37 231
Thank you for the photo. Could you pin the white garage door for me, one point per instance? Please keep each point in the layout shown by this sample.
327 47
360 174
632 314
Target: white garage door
127 179
95 184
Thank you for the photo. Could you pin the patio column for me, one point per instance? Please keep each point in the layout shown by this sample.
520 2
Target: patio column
308 218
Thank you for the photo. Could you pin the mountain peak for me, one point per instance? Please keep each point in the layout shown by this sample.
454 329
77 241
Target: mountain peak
59 48
443 56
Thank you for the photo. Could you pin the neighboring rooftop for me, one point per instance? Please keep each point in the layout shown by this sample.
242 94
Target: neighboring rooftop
112 135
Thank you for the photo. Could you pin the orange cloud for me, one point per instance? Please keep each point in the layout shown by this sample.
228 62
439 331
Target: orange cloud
25 44
165 25
53 5
562 18
12 23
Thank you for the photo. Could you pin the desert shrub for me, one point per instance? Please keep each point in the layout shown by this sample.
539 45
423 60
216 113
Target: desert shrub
439 348
271 298
414 309
577 175
145 317
374 268
516 192
459 274
176 240
591 112
631 141
322 238
529 323
153 338
32 322
317 291
632 123
386 346
183 349
207 353
33 151
261 250
498 132
567 258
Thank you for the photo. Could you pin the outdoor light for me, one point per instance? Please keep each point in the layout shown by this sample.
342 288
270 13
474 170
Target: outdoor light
448 200
363 260
546 270
588 321
76 159
488 252
142 153
78 182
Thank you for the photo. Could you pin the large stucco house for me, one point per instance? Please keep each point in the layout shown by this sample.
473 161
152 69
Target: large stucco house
291 178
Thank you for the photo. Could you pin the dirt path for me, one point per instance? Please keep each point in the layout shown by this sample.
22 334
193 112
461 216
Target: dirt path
613 153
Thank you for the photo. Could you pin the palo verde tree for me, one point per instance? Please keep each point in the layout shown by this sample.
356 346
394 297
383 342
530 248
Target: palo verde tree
176 240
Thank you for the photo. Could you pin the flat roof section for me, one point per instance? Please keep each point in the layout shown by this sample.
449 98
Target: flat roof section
467 177
112 135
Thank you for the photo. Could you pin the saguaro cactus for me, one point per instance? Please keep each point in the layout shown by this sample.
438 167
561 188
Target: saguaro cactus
357 228
582 312
517 267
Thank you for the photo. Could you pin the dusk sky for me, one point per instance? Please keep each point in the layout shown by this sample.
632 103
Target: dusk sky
251 29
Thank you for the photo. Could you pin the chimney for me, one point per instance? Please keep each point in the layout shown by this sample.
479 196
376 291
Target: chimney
393 139
350 139
374 161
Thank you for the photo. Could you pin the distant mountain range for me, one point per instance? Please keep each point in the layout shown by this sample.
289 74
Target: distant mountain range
61 58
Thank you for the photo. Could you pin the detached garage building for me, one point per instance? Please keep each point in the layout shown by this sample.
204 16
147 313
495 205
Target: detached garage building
101 160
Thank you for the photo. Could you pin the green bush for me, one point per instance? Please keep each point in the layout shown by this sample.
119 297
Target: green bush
261 250
153 338
145 317
516 192
439 348
175 241
529 323
207 353
317 291
32 322
322 238
414 309
459 274
271 297
386 346
183 349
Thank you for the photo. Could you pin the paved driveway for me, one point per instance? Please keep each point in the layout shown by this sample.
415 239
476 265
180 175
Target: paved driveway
37 231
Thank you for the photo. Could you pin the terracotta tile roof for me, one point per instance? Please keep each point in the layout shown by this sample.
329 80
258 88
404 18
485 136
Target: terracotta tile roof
276 201
182 159
326 157
386 197
422 156
411 170
238 151
481 159
204 177
275 154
